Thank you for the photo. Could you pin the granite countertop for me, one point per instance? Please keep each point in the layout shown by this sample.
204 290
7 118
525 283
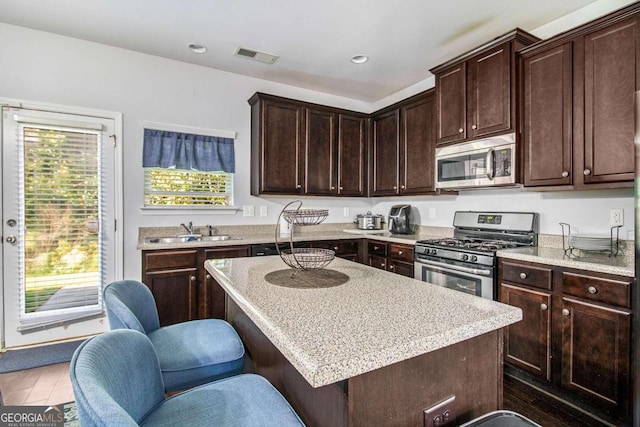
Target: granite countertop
601 263
250 235
375 319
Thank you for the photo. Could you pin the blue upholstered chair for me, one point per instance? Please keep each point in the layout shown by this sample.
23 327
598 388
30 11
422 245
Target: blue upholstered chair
190 353
117 382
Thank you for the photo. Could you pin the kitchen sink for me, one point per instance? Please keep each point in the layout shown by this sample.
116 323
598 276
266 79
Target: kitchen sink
190 238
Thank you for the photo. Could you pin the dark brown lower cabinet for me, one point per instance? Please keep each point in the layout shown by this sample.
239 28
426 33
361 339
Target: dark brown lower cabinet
595 352
527 343
394 257
347 249
575 336
176 277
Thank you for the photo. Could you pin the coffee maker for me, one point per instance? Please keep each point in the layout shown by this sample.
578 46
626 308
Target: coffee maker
399 220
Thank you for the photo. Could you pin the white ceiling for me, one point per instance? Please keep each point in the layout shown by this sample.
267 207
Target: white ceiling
314 39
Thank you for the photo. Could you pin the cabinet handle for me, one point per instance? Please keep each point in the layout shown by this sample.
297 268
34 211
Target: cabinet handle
399 252
382 265
523 275
375 248
333 188
395 187
565 311
391 267
592 289
341 188
335 248
298 186
587 172
402 187
208 276
192 278
460 130
544 307
565 174
474 127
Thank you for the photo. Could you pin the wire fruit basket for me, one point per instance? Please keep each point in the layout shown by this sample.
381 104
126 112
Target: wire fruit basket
303 258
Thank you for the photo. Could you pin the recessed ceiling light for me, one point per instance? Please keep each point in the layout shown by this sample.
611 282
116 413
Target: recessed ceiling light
197 48
359 59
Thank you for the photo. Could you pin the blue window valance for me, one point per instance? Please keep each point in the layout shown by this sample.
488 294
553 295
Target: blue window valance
164 149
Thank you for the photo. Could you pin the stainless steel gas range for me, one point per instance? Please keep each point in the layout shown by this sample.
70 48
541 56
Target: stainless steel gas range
467 262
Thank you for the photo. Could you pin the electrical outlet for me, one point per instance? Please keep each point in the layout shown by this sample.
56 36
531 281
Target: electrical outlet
345 211
432 213
616 217
442 414
263 211
248 210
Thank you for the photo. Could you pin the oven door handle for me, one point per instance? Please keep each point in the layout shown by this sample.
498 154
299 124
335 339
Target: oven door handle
443 267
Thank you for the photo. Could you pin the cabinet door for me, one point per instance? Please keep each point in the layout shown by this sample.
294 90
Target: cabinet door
611 76
527 344
595 352
351 155
212 296
386 139
451 104
175 293
417 153
320 152
547 117
489 92
282 150
378 262
402 268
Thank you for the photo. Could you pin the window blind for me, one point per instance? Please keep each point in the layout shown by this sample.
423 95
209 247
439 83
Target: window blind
60 253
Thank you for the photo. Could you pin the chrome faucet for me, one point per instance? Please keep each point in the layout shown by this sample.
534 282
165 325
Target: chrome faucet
188 228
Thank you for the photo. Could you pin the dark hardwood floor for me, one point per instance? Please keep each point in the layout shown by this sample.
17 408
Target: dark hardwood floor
542 409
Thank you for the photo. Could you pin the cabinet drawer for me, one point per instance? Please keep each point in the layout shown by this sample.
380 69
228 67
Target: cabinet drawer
401 252
377 248
227 252
340 247
538 277
607 291
156 260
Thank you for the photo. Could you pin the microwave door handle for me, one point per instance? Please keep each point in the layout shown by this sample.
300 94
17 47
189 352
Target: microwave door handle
490 164
442 267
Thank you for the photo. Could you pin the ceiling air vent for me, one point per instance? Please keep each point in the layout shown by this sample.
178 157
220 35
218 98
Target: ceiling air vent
267 58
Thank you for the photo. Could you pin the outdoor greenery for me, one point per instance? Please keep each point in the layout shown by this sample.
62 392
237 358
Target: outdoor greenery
61 202
181 187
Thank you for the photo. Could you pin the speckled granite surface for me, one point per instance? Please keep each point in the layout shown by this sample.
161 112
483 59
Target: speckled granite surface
375 319
255 234
622 264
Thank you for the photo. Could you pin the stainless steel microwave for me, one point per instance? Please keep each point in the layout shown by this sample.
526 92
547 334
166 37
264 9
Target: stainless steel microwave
482 163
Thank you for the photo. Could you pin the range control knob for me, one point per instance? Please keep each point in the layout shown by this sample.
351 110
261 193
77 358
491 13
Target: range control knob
474 258
465 257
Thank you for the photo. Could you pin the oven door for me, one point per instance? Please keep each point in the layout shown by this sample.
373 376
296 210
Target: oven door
474 280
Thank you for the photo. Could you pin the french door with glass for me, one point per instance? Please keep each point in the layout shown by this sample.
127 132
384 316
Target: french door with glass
58 224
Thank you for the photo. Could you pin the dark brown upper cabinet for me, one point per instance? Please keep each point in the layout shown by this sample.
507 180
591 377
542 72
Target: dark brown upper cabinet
304 148
403 147
578 105
476 92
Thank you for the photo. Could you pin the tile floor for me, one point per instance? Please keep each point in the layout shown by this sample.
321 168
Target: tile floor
47 385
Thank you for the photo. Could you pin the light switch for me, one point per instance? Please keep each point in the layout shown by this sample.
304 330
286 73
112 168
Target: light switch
263 211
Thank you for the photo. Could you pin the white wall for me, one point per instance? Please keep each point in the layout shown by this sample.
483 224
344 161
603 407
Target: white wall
46 68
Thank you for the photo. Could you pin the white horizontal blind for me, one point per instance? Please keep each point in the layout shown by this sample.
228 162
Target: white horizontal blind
61 250
173 187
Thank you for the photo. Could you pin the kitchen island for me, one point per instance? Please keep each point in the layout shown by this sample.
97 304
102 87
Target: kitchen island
376 350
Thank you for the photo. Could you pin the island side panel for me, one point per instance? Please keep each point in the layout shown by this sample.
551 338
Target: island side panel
322 406
398 394
395 395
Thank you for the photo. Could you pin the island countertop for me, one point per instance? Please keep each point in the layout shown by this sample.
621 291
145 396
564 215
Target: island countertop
375 319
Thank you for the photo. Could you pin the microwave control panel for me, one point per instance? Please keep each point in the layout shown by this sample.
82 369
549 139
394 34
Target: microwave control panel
502 162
